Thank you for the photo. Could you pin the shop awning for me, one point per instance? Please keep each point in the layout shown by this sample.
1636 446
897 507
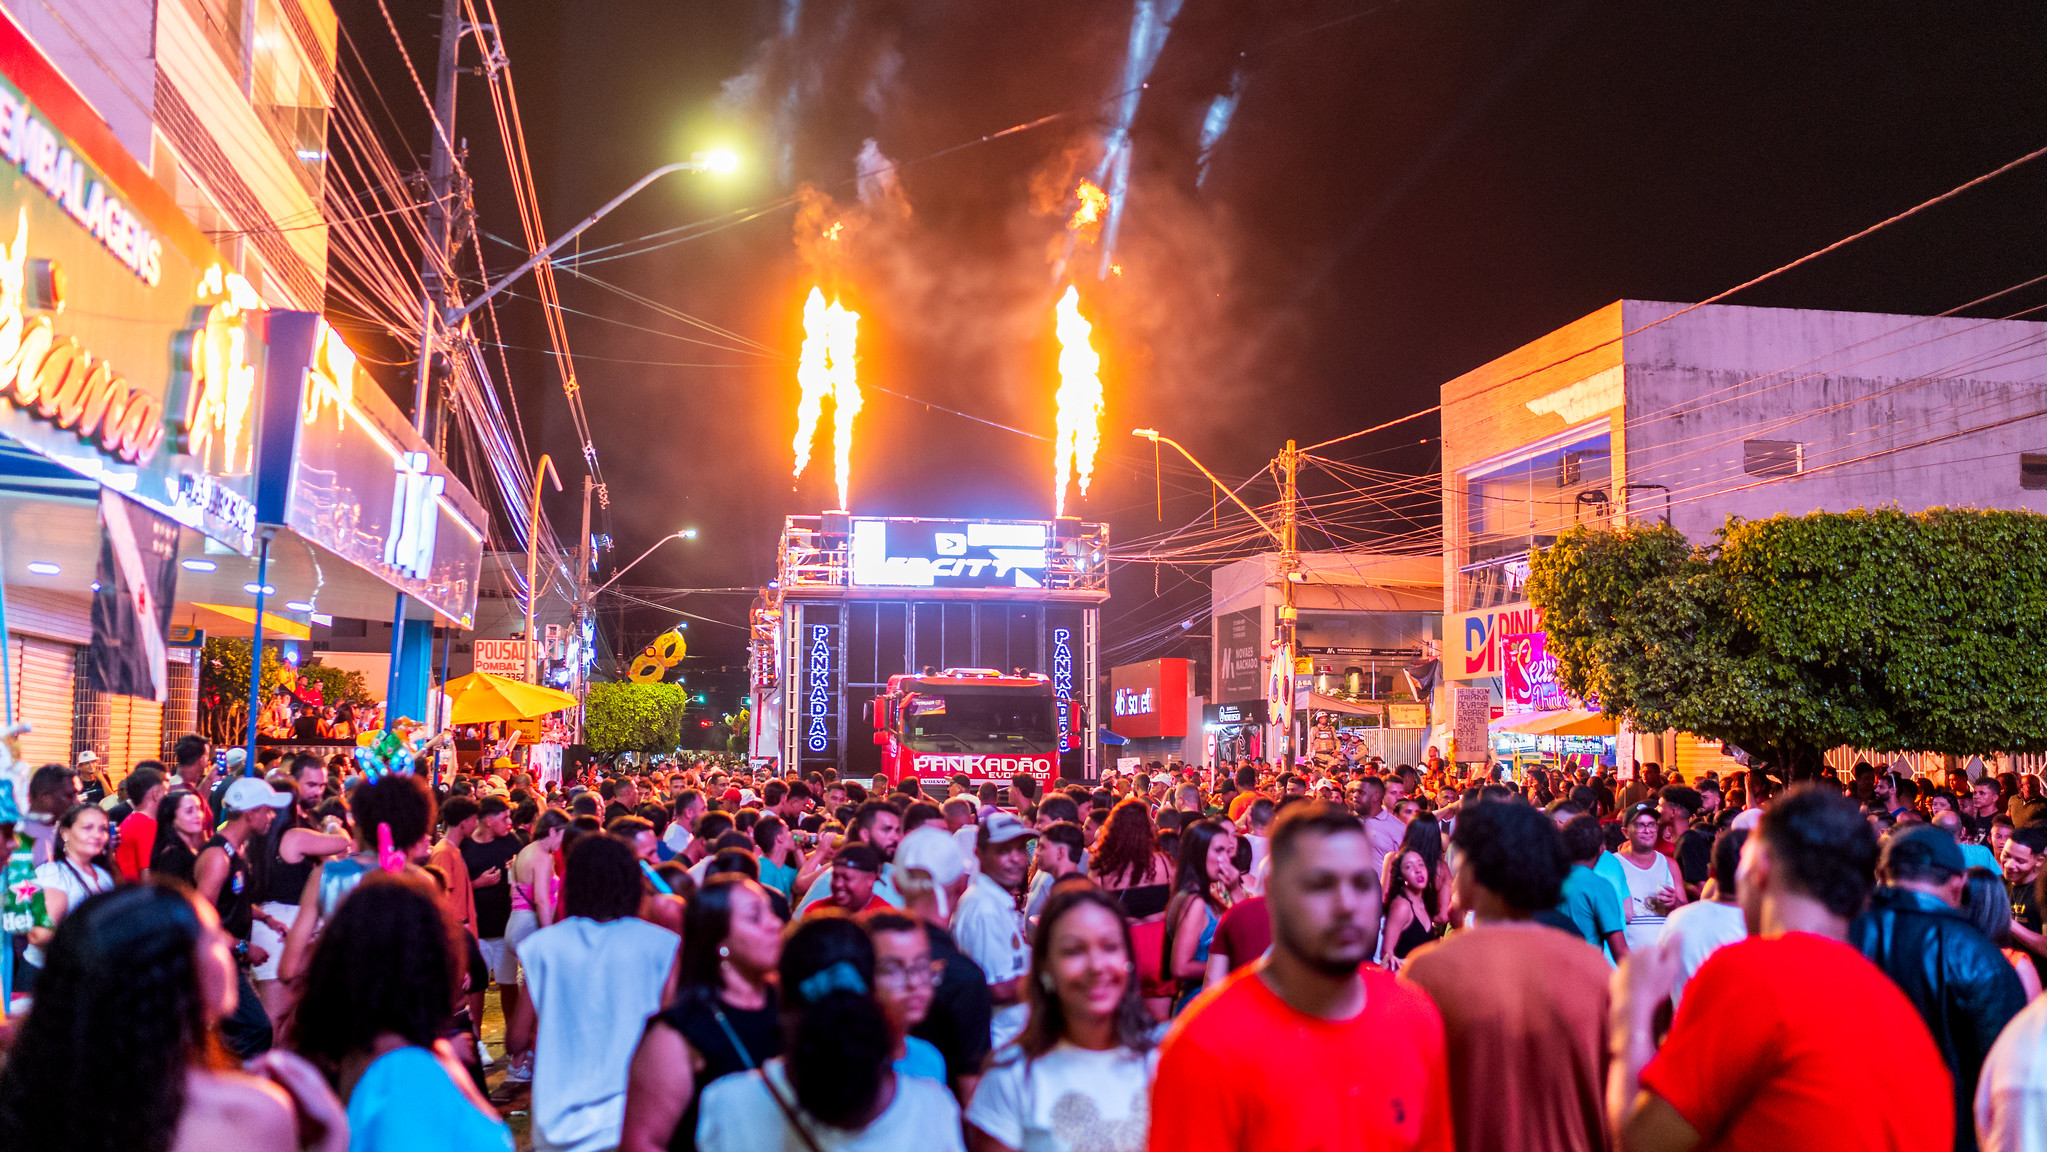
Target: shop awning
1561 722
1317 702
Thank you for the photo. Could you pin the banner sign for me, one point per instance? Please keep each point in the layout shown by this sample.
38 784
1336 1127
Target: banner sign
1473 642
949 553
502 658
1149 700
136 583
1239 645
1474 709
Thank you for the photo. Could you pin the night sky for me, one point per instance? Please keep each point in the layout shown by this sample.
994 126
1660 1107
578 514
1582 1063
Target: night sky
1407 190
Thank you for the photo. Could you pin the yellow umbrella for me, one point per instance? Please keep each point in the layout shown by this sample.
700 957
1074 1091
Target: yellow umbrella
481 698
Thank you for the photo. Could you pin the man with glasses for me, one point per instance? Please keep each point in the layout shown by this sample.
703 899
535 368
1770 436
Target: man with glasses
905 977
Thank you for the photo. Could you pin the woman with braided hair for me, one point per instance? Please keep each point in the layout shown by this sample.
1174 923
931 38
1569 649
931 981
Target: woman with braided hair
131 997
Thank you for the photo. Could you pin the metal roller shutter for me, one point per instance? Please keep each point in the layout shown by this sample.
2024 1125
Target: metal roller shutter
44 688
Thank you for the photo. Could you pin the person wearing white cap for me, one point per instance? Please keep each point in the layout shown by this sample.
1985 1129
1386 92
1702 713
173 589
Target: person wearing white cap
989 925
931 876
222 876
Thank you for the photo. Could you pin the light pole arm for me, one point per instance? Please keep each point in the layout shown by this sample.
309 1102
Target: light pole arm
455 316
1153 436
685 534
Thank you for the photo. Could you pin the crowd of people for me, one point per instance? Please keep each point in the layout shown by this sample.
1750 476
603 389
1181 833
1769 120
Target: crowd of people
289 955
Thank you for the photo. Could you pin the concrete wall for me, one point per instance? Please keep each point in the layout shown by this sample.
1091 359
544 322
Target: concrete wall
1907 410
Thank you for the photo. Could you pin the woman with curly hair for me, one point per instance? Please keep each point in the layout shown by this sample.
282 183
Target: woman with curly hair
135 985
376 1006
395 810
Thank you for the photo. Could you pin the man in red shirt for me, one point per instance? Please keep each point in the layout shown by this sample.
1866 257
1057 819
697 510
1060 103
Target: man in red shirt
1305 1048
145 789
1789 1039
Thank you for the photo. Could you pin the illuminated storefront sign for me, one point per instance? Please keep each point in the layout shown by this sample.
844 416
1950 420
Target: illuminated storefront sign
343 467
126 349
948 553
1149 700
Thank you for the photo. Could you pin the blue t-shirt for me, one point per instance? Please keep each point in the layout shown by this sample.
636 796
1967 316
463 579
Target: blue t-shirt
920 1058
405 1102
1591 905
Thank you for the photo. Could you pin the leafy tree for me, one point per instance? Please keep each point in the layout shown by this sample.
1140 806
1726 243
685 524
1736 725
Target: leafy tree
337 685
632 717
224 686
1789 636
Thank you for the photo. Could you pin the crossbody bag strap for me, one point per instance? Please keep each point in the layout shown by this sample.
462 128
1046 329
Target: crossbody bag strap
767 1081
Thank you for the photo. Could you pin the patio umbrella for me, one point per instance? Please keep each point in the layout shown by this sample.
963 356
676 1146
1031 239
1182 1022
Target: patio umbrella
481 698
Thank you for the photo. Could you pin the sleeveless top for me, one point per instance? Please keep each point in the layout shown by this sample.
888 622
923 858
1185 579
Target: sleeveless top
1411 937
284 883
338 877
235 900
694 1016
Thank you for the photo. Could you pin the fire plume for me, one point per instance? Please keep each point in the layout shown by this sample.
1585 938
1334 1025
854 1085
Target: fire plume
1093 204
1078 432
825 368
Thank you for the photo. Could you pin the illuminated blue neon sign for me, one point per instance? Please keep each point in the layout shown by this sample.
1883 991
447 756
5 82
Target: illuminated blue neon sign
818 707
1062 686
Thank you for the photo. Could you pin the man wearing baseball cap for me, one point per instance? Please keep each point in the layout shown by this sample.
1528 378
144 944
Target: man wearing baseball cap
989 925
854 871
222 875
1962 985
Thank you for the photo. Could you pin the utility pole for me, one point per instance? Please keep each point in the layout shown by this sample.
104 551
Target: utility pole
434 287
583 629
1288 467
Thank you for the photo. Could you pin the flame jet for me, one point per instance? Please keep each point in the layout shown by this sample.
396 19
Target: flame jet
1078 432
825 367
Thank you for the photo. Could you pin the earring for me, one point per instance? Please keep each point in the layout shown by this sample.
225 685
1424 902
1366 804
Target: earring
724 953
1045 981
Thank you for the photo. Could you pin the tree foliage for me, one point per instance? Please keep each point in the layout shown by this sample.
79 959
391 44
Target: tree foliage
224 686
337 685
634 718
1788 636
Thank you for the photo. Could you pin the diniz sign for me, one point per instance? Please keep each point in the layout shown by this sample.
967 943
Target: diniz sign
1476 641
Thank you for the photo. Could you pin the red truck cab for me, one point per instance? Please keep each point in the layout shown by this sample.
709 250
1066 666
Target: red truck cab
985 723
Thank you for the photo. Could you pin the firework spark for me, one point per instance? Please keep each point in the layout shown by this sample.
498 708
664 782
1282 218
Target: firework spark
1078 432
1087 217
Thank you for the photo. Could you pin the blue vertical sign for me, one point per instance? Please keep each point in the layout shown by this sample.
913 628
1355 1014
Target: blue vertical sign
820 692
1062 687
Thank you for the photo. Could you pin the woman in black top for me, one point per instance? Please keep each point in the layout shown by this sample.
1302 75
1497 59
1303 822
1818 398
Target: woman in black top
180 833
723 1021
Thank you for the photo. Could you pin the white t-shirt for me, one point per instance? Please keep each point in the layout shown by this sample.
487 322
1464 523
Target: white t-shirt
593 985
2011 1094
1645 925
738 1115
1703 927
1068 1100
62 877
990 930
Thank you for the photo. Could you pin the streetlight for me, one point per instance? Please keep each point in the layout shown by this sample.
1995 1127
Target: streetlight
545 467
685 534
718 161
1152 435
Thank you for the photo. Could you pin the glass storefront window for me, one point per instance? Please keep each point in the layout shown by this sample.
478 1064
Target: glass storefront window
1513 509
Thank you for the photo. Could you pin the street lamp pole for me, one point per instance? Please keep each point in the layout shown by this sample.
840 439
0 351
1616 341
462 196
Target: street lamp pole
545 466
1281 691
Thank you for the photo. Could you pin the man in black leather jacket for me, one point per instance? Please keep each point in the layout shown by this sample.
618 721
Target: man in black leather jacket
1962 985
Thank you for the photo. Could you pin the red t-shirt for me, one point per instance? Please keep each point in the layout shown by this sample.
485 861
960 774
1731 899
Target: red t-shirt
1797 1041
1242 1071
1244 932
138 837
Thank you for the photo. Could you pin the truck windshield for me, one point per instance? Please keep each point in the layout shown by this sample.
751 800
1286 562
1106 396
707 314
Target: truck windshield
961 722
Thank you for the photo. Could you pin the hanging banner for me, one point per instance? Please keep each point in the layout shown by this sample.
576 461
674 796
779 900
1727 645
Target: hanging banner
136 583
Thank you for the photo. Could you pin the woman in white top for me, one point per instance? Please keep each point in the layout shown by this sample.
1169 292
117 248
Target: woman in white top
1653 884
836 1090
78 871
1080 1075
